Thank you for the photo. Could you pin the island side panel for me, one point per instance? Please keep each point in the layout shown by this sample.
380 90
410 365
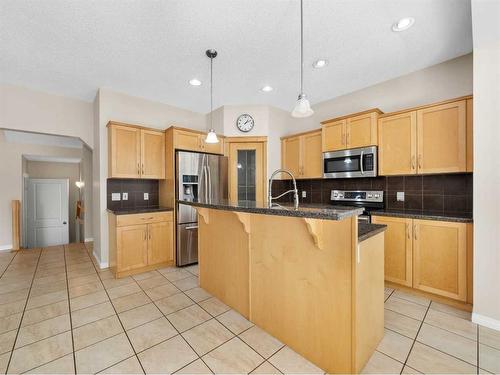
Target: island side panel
301 293
223 248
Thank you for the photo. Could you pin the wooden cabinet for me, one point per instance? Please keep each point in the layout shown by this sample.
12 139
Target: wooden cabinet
398 249
190 140
301 155
353 131
135 152
140 242
431 139
470 137
432 256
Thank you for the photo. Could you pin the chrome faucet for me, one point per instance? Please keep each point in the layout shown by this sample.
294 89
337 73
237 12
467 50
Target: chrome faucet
294 190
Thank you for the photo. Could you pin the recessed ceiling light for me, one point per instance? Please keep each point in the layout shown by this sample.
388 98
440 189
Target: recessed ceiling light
267 89
321 63
403 24
194 82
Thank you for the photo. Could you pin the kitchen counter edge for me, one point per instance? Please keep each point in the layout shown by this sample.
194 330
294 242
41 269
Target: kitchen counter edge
422 215
132 211
368 230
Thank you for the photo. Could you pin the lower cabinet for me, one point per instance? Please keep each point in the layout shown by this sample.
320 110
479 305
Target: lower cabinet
140 242
428 255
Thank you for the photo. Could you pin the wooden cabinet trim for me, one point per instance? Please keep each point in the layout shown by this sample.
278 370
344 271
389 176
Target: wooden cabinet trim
425 106
372 110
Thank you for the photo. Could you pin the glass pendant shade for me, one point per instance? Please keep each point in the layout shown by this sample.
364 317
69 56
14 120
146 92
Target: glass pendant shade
302 107
211 137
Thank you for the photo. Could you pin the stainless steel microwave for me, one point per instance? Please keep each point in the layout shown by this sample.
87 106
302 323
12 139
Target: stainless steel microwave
356 162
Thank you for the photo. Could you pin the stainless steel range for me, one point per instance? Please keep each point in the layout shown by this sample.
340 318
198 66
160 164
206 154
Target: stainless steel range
370 200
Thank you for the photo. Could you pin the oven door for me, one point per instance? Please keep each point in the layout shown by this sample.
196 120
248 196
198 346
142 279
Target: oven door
359 162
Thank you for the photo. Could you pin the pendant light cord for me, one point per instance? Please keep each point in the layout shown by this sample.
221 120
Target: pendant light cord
211 93
301 48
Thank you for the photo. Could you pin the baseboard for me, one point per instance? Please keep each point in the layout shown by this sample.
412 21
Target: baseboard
5 247
486 321
102 265
90 239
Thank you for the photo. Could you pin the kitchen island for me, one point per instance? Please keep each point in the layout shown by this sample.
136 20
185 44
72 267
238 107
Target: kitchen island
299 274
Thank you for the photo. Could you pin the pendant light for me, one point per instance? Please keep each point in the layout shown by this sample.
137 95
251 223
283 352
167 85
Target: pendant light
302 107
211 136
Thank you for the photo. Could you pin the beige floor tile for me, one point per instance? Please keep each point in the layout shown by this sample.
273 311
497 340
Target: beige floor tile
6 287
379 363
103 354
162 291
266 368
167 357
145 275
124 290
10 322
395 345
168 269
46 299
4 361
106 275
207 336
92 314
88 300
113 283
49 288
40 352
188 318
214 306
99 330
63 365
43 329
194 269
401 323
261 341
196 367
198 294
415 298
130 302
489 337
408 370
152 333
129 366
448 342
452 323
489 359
84 289
82 280
187 283
450 310
7 309
174 303
428 360
16 295
289 362
153 282
235 322
7 341
45 312
176 274
139 315
405 307
233 357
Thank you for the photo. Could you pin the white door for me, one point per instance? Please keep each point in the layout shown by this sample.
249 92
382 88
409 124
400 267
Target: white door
48 201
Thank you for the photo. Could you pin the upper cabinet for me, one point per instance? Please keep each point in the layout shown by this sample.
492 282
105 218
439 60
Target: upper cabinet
431 139
135 152
191 140
301 155
353 131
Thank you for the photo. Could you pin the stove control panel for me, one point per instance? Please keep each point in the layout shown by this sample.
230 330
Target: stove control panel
357 196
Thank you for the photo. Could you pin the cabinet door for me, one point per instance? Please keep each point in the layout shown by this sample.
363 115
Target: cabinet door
334 136
213 148
152 154
124 151
132 247
398 249
312 157
440 258
291 155
441 138
397 144
361 131
185 140
160 242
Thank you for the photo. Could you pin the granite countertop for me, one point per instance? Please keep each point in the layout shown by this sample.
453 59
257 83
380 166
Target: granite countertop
425 215
366 230
305 210
139 210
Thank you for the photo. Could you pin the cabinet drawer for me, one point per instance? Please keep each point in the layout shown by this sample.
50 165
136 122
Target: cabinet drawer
144 218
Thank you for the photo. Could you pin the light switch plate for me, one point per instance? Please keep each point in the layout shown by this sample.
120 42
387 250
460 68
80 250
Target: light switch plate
125 196
146 196
400 196
304 194
115 196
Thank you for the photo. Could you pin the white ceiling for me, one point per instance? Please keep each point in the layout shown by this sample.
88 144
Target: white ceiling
152 48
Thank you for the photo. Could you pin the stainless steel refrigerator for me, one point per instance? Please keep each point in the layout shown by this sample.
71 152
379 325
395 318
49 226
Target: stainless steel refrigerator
201 177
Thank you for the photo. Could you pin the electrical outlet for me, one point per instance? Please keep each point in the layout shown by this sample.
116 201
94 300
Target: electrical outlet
146 196
400 196
304 194
115 196
125 196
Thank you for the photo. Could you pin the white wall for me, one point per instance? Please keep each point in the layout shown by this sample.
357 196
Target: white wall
486 34
35 111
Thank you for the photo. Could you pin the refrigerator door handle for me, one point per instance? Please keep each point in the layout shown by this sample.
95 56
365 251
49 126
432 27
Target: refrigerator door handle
209 185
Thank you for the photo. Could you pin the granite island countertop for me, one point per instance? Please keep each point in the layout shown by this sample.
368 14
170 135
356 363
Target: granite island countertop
425 215
367 230
304 210
139 210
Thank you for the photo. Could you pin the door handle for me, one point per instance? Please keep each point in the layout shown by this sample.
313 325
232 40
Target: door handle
64 223
192 227
361 162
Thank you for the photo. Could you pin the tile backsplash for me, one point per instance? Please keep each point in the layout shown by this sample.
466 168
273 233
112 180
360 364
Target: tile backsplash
437 193
135 189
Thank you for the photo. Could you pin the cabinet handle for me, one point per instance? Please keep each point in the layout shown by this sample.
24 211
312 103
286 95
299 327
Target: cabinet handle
138 169
419 160
149 233
142 168
408 230
145 235
413 162
414 231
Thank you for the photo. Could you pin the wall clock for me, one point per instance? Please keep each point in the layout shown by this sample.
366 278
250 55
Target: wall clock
245 123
